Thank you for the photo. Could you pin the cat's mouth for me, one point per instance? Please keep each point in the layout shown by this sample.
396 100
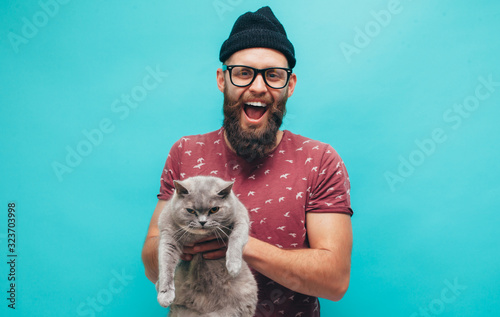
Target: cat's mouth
255 111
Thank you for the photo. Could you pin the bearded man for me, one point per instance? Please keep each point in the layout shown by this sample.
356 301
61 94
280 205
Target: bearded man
296 189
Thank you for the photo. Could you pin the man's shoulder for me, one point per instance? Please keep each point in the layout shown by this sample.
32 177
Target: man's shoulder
303 143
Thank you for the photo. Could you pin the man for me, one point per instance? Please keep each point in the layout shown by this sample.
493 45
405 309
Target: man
296 189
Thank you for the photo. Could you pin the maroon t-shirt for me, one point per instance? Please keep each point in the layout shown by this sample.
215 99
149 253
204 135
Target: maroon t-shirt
300 176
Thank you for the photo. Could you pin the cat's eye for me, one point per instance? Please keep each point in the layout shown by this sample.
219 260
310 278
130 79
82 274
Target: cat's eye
191 211
214 210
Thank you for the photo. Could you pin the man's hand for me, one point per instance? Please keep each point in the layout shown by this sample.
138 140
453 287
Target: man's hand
212 248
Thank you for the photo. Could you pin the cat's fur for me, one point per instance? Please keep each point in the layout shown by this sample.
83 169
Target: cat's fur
211 288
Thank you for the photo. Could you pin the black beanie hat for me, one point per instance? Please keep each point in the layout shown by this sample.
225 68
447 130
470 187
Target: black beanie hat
258 29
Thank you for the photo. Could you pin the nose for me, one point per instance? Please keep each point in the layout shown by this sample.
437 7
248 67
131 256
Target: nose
258 86
202 223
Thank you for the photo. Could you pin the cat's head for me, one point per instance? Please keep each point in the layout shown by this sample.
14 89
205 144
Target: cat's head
202 204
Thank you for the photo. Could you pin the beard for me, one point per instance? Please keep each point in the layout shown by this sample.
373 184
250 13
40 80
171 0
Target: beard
252 143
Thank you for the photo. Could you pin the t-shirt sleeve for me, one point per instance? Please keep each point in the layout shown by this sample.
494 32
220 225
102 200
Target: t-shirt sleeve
170 173
330 192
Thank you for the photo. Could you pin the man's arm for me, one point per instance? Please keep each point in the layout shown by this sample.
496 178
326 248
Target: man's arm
323 270
150 248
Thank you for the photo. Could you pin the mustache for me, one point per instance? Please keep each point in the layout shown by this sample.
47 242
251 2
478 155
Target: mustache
243 100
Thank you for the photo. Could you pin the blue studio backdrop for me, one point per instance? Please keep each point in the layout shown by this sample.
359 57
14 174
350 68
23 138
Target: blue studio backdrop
94 93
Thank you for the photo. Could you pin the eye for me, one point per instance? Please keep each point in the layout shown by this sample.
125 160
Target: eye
242 72
214 210
191 211
275 74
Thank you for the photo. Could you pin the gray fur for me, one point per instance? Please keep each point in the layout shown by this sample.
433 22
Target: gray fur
210 288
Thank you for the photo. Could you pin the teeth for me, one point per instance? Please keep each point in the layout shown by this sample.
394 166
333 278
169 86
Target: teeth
256 104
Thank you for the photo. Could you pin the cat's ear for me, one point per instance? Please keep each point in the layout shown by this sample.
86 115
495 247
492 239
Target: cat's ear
226 191
179 189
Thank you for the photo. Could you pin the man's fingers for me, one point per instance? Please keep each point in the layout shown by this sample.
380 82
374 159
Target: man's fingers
188 250
214 255
209 238
203 247
208 246
186 257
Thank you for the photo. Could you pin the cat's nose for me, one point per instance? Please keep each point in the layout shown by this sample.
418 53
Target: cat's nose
202 223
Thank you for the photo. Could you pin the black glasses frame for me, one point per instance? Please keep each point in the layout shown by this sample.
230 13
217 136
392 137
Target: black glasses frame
257 71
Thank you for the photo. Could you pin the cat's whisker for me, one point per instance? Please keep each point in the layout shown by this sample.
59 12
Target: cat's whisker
178 230
180 238
223 232
227 228
218 235
220 225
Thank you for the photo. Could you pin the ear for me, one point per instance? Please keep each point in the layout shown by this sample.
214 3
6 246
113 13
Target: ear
226 191
179 189
221 80
291 84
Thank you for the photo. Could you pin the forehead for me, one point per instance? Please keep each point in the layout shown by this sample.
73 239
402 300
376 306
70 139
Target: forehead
258 57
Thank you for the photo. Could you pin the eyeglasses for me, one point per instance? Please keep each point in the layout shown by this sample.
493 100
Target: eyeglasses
242 76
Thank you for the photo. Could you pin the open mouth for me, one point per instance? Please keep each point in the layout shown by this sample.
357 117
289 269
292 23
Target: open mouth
254 111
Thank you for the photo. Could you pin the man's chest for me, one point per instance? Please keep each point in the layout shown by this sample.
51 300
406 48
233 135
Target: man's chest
274 192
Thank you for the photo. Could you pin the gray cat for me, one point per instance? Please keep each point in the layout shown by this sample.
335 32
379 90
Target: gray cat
204 206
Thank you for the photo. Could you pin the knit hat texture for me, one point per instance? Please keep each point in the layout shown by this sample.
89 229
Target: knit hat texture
258 29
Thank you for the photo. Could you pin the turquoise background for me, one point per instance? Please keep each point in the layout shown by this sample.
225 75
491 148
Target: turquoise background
423 220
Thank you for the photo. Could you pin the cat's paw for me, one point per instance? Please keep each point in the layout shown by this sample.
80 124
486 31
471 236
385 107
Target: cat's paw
233 266
166 297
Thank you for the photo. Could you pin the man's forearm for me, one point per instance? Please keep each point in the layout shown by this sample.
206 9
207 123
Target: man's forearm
150 248
150 258
314 272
